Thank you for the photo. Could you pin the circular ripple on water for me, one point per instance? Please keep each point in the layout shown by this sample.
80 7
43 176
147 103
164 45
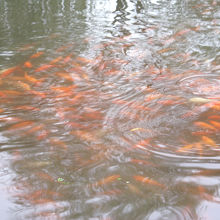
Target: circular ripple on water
171 213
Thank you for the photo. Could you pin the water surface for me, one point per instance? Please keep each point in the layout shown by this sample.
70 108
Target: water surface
110 110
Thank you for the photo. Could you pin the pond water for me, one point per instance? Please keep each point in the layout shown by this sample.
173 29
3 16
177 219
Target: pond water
110 109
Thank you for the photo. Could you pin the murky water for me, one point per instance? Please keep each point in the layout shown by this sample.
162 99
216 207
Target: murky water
110 109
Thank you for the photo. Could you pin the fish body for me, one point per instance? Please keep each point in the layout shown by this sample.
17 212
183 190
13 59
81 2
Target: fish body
147 181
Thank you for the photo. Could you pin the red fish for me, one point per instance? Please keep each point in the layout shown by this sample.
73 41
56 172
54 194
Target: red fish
106 180
58 142
67 58
208 141
204 125
56 60
216 124
8 71
142 144
28 64
43 67
21 125
36 55
147 180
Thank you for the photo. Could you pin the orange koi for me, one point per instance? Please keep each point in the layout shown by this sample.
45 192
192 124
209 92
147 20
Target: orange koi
153 96
57 142
216 124
204 125
182 149
84 135
167 102
64 89
31 78
64 94
64 47
1 110
28 64
153 70
36 55
142 144
42 135
106 180
2 94
41 94
84 60
215 117
56 60
8 71
26 107
35 129
21 125
11 92
45 176
67 59
23 85
182 32
208 141
66 76
148 181
164 50
43 67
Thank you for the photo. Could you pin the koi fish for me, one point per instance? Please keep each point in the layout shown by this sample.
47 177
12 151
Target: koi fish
43 134
216 124
41 94
45 176
21 125
28 64
142 144
182 32
215 117
182 149
35 129
84 60
63 89
66 76
164 50
56 60
148 181
43 67
11 92
57 142
67 58
26 107
8 71
31 78
208 141
204 125
106 180
24 86
36 55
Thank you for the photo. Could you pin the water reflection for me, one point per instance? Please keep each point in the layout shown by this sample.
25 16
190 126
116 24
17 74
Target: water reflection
110 110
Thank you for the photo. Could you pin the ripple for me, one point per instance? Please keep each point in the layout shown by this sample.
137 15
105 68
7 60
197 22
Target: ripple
171 213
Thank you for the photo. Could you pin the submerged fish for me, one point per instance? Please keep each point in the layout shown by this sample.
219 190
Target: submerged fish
147 180
106 180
